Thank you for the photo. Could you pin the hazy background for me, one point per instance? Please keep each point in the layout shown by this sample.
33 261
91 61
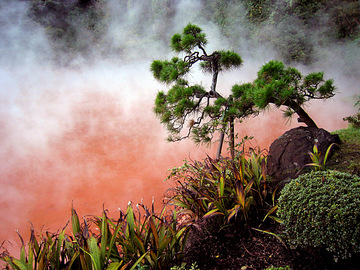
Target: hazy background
76 120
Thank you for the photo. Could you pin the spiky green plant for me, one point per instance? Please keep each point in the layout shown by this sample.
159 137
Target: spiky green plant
234 190
153 240
319 161
42 253
157 238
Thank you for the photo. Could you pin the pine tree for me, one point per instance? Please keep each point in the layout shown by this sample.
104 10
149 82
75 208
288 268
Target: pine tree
202 112
190 106
283 86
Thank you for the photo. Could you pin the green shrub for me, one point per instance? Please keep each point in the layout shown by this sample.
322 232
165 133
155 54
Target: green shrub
322 209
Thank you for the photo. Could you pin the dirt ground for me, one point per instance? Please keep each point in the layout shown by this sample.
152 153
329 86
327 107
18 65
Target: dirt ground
225 251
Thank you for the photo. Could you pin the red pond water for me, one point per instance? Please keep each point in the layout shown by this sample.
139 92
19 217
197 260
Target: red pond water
104 157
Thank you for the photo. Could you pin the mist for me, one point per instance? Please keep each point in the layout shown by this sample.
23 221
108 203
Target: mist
78 128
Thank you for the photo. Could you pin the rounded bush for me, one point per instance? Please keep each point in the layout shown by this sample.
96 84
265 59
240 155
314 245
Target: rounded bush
322 209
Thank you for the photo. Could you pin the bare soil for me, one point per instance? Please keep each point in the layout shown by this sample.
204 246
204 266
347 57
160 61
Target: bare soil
258 251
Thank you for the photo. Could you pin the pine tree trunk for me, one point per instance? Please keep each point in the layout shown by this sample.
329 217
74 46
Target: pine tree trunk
221 142
232 138
303 116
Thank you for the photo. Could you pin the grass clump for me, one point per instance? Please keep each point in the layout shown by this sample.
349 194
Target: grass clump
347 157
349 135
322 209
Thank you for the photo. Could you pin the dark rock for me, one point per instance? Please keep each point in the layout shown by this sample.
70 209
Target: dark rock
290 152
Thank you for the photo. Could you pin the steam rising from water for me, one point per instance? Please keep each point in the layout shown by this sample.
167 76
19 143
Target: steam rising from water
85 133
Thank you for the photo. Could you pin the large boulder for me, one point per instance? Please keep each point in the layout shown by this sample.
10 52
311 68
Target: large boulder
290 152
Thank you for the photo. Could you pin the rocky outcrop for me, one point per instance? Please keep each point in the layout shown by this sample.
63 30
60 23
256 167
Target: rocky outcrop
290 152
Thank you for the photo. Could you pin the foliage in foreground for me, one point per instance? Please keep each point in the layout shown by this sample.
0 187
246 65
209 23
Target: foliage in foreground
233 191
138 238
321 209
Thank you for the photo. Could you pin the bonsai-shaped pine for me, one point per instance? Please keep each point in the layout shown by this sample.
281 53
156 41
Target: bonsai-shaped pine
278 85
202 112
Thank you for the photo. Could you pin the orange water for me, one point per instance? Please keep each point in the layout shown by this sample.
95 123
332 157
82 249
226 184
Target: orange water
106 157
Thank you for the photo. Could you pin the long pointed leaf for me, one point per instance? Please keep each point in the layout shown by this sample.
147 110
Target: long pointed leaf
130 221
31 244
221 186
10 261
94 253
233 212
212 213
272 210
60 241
20 264
104 237
112 246
75 223
23 255
114 265
327 153
240 195
138 261
74 258
271 233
